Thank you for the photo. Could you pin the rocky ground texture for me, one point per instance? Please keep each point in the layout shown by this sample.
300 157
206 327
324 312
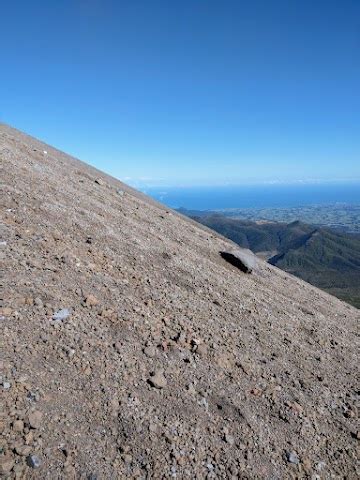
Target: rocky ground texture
132 349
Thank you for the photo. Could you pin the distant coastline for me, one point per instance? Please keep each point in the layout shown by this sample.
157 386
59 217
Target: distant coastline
257 196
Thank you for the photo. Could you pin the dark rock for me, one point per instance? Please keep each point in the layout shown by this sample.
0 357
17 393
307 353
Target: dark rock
33 461
243 259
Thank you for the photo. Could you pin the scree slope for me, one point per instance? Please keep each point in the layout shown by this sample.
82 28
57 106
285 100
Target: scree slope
132 349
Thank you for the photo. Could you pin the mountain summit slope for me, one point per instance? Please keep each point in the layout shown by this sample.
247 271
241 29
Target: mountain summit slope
134 350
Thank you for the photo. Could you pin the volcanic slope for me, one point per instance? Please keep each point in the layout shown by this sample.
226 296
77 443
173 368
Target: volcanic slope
131 349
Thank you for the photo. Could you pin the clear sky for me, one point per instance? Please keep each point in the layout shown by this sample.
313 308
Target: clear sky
188 92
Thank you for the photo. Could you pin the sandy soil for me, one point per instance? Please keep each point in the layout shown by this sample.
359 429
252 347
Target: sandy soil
170 363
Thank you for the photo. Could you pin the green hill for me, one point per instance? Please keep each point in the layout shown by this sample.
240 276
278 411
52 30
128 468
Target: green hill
327 259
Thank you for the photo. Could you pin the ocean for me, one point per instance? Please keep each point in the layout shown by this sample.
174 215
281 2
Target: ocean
259 196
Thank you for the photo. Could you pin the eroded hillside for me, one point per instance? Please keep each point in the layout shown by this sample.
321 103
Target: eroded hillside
133 350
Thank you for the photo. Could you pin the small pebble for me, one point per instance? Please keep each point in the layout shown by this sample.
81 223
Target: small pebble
61 315
6 465
229 439
23 450
150 351
33 461
320 466
35 419
91 301
38 302
292 457
201 350
158 380
18 426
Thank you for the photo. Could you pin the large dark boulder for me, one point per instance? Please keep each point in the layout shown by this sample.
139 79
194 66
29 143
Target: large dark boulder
243 259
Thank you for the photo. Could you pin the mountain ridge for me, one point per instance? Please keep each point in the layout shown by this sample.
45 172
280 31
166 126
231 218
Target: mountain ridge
323 257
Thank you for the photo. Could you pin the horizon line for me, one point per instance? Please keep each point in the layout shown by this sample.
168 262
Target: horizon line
266 183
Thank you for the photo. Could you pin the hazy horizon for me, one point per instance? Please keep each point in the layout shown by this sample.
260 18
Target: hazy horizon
247 196
143 184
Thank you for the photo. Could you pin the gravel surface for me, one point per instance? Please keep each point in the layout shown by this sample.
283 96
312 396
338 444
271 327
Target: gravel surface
133 349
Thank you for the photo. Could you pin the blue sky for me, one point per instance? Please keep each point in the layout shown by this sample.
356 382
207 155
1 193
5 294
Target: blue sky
189 92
